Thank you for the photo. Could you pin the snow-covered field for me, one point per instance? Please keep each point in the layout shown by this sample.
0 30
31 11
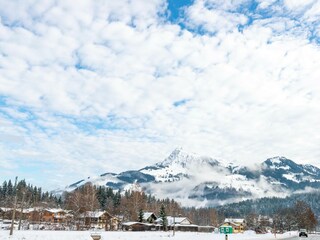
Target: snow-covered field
83 235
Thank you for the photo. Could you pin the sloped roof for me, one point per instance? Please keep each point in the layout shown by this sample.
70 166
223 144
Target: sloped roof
55 210
96 214
146 215
234 220
92 214
41 209
175 220
230 223
138 223
4 209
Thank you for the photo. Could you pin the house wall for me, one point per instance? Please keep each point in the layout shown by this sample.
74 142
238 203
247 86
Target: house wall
47 216
187 228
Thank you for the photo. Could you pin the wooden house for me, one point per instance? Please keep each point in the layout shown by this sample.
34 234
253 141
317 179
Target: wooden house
5 213
48 215
100 220
238 224
179 224
149 217
139 226
61 215
34 214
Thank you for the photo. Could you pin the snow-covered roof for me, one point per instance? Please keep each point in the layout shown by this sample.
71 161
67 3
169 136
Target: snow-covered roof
38 209
234 220
231 223
176 220
140 223
146 215
186 225
95 214
92 214
55 210
4 209
129 223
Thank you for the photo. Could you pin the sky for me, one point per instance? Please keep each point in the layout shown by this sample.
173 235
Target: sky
89 87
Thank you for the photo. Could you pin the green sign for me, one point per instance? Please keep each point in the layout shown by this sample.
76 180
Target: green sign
226 229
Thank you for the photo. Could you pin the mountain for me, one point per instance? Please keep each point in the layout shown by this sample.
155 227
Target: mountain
293 176
203 181
179 165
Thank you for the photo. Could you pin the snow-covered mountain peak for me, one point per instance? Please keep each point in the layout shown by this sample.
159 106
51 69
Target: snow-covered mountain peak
183 159
280 163
289 165
277 160
311 169
177 156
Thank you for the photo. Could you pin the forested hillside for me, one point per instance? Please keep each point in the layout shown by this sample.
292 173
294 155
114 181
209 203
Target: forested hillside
270 206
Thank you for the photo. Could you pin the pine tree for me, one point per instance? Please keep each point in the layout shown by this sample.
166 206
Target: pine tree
9 189
163 217
4 189
140 215
102 197
117 199
39 193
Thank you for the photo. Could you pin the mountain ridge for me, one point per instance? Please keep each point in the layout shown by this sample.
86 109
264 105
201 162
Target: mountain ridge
204 181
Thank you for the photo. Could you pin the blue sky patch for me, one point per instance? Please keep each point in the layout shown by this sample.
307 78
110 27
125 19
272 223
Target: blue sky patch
176 7
181 102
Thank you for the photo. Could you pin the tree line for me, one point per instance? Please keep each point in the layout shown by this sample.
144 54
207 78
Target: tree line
298 216
297 211
131 204
33 196
290 213
128 204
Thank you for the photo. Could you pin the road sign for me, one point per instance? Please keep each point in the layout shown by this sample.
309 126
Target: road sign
226 229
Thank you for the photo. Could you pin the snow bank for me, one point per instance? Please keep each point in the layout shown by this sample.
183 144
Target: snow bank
84 235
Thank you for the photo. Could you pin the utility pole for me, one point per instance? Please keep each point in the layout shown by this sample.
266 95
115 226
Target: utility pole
21 211
14 207
174 220
174 223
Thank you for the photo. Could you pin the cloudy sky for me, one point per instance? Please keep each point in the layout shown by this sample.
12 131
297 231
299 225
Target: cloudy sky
89 87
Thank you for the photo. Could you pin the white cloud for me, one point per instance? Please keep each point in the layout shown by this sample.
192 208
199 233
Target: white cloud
215 18
296 4
91 87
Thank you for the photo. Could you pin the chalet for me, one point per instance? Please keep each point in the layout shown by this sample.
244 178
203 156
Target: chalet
238 224
139 226
33 214
100 220
149 217
61 216
206 229
179 224
48 215
5 213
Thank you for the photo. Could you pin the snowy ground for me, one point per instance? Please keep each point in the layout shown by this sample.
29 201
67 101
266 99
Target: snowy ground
73 235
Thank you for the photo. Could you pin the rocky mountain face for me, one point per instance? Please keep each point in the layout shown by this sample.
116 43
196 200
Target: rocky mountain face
204 181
